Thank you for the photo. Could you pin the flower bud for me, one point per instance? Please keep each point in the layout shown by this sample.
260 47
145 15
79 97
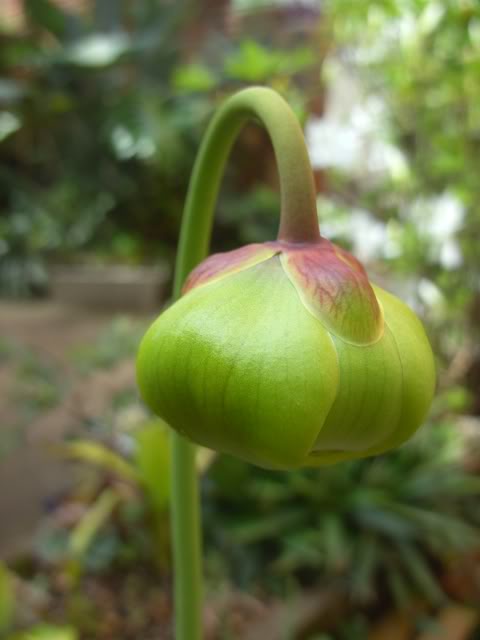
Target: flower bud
285 355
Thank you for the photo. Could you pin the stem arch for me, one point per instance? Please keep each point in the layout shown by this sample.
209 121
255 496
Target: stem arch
298 216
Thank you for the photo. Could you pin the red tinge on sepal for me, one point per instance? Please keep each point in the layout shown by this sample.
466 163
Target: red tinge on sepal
219 265
335 288
331 283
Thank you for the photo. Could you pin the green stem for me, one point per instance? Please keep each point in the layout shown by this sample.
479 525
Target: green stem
298 223
187 547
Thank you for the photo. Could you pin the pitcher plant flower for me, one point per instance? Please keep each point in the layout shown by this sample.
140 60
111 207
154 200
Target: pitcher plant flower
282 353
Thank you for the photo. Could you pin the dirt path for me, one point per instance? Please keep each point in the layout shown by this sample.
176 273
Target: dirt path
38 340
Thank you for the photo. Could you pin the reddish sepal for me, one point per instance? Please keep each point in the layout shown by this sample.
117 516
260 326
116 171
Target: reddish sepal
335 288
219 265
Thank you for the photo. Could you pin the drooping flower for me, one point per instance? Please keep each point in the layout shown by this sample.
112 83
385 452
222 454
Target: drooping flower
284 354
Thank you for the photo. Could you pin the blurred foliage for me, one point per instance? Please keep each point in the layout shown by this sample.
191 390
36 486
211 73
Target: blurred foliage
381 528
117 342
100 118
418 64
7 599
138 458
113 508
34 386
46 632
38 386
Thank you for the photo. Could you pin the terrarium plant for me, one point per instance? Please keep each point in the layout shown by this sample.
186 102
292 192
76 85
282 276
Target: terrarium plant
282 353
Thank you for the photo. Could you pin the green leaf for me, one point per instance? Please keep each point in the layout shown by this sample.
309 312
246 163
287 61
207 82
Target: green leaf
47 632
193 77
385 522
7 598
252 63
302 549
46 14
368 558
453 531
100 456
335 543
399 588
152 460
437 483
92 521
421 573
258 529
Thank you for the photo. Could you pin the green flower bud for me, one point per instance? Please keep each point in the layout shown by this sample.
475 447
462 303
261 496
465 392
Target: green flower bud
285 355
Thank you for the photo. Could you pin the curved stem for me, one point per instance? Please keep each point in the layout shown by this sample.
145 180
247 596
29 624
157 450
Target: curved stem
298 223
298 217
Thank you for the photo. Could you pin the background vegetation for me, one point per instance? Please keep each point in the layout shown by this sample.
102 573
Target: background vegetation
101 111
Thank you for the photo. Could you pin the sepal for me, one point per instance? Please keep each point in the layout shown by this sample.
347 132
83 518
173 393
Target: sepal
334 287
219 265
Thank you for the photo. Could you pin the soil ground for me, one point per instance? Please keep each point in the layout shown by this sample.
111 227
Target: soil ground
31 476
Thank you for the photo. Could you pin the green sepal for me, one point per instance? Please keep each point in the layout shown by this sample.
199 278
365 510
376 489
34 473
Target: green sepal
240 366
385 390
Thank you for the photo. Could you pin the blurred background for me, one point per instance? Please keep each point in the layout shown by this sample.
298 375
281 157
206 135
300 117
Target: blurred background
102 108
